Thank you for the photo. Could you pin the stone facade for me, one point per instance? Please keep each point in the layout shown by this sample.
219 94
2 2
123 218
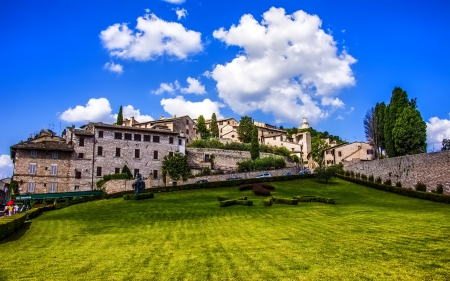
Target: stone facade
183 125
348 152
115 186
429 168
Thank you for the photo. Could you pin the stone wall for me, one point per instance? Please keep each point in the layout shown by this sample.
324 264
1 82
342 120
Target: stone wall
114 186
429 168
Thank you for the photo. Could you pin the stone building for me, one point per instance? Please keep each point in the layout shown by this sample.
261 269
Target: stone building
77 160
4 190
348 152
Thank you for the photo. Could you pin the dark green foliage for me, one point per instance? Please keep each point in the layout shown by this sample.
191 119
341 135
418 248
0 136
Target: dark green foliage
287 201
214 127
371 178
10 224
327 172
398 184
201 127
312 198
244 202
420 186
245 129
261 164
318 145
352 174
402 191
177 166
232 202
14 186
254 146
295 158
126 170
378 180
410 132
387 182
32 213
222 198
440 189
267 202
140 196
445 144
119 117
281 150
347 173
380 109
260 191
363 177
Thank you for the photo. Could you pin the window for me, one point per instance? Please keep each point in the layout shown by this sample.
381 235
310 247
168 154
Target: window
369 151
117 151
117 170
137 137
206 157
32 168
81 142
31 186
100 134
155 138
170 154
52 187
228 122
127 136
155 154
100 150
53 170
34 153
187 131
232 136
155 174
187 122
221 123
77 187
136 171
274 138
80 155
99 171
146 137
118 136
339 153
137 153
55 154
180 142
292 149
171 140
78 175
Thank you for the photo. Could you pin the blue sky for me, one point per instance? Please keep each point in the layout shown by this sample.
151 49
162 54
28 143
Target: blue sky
70 62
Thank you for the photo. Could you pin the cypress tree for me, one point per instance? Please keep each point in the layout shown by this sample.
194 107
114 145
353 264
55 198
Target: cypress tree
399 100
380 110
126 170
119 117
245 129
214 126
410 132
201 126
254 145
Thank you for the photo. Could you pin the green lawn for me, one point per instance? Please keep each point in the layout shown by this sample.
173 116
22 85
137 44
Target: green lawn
368 235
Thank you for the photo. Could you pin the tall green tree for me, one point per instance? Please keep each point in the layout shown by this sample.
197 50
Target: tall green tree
245 129
214 126
119 117
399 100
201 127
371 129
177 166
410 132
318 145
126 170
380 109
254 146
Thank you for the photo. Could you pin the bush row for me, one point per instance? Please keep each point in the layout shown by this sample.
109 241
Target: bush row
250 186
260 191
10 224
232 202
140 196
261 164
312 198
223 198
402 191
267 201
287 201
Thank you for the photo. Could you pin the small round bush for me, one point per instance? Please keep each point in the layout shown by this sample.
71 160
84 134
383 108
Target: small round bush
371 178
347 173
387 182
378 180
420 186
352 174
440 189
398 184
363 177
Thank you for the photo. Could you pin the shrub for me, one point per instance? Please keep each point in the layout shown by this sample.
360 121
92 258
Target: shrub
363 177
232 202
440 189
267 201
378 180
261 164
358 175
312 198
326 173
220 198
245 187
387 182
32 213
420 187
260 191
10 224
140 196
227 203
267 186
352 174
398 184
347 173
371 178
287 201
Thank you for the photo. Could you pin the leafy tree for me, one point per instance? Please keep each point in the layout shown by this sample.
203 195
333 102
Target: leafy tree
410 132
399 100
214 126
318 145
295 158
245 129
201 126
126 170
14 187
254 148
119 117
445 144
371 129
281 127
380 109
326 173
177 166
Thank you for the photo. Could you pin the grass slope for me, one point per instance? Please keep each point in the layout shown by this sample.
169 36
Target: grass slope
368 235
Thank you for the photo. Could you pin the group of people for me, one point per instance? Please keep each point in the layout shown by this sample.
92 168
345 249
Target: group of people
11 210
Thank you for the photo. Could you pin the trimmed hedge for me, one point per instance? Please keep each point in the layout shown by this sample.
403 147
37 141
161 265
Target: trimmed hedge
312 198
260 191
10 224
222 198
402 191
232 202
267 202
245 187
287 201
32 213
140 196
244 202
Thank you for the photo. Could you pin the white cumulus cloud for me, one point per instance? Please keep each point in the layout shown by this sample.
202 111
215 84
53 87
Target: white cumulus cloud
437 130
99 110
181 13
195 87
6 166
164 88
175 1
111 66
287 63
153 37
179 106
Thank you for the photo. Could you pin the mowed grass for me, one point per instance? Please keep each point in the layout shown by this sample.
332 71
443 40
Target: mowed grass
368 235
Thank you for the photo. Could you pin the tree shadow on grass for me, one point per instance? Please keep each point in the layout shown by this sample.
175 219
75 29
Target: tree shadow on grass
17 234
